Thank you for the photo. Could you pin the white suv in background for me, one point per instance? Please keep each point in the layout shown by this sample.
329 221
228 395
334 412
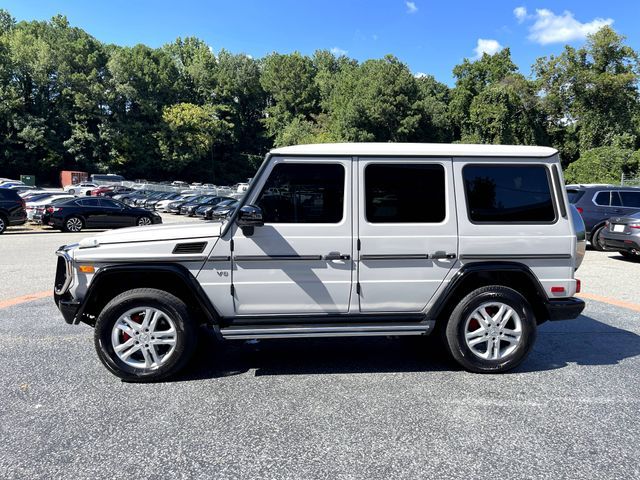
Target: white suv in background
475 243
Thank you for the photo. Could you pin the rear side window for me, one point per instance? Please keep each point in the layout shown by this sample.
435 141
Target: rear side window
574 195
630 199
603 199
404 193
303 193
89 202
508 193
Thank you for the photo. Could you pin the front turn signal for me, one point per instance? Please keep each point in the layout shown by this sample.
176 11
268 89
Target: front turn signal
87 268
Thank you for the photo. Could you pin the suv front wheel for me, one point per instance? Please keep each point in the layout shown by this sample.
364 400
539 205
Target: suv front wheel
144 335
491 330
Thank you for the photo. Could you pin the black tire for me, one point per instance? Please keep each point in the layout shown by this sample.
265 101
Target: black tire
3 224
596 239
73 224
455 330
145 297
630 255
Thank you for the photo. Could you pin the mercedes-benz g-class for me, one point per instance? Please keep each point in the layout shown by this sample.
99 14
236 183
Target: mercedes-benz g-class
475 243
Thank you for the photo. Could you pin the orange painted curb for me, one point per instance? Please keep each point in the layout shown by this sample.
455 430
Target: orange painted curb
24 299
611 301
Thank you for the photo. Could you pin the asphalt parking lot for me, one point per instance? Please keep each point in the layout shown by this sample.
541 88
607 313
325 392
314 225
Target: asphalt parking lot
326 408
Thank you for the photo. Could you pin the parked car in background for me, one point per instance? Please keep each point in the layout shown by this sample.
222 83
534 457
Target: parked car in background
190 208
222 210
118 190
598 203
91 212
623 234
31 206
175 206
163 205
80 189
100 191
151 202
12 209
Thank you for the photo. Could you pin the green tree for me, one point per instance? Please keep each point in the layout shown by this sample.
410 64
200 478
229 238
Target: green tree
472 78
590 94
188 136
603 165
289 81
377 101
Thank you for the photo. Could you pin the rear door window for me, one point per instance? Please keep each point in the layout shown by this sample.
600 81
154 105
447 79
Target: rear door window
509 193
404 193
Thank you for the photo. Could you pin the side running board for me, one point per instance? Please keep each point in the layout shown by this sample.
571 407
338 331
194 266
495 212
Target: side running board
243 332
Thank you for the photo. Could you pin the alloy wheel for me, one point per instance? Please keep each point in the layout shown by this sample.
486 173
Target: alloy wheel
2 225
142 221
493 331
74 224
144 337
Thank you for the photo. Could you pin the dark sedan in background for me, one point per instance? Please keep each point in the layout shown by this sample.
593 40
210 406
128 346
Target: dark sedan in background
191 207
96 212
221 210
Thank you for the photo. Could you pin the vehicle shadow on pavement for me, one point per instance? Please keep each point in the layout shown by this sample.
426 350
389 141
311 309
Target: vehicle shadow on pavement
315 356
620 258
584 341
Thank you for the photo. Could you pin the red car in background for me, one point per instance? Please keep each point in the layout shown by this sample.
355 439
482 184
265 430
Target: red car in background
100 191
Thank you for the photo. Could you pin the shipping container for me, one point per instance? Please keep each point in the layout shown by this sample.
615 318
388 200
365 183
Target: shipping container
69 177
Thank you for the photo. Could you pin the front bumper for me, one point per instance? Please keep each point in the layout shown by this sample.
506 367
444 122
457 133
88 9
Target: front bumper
67 305
565 308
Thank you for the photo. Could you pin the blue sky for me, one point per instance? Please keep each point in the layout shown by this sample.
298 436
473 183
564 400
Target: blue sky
430 36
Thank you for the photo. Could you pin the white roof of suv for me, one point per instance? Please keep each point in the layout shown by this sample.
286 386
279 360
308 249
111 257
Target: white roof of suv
417 149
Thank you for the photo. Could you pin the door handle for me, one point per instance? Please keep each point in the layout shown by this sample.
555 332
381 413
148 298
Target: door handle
336 256
441 255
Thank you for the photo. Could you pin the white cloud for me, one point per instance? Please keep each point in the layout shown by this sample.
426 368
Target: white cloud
421 75
520 13
551 28
488 46
338 51
411 7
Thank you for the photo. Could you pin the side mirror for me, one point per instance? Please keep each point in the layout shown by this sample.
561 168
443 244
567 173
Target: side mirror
250 216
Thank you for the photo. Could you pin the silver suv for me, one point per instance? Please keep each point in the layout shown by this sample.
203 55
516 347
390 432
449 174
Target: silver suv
474 243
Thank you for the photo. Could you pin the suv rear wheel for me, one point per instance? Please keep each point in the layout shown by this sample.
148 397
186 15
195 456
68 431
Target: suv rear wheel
491 330
144 335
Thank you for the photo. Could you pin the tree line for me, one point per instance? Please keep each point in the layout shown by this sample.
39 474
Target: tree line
69 101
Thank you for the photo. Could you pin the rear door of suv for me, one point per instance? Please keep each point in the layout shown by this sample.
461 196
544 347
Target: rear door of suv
407 231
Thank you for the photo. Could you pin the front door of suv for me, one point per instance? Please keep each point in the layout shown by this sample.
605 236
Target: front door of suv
300 261
407 231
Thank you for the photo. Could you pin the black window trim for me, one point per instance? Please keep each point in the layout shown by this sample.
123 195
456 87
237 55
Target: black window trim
517 165
300 161
418 161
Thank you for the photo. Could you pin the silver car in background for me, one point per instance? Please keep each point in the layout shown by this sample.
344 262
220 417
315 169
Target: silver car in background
623 234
